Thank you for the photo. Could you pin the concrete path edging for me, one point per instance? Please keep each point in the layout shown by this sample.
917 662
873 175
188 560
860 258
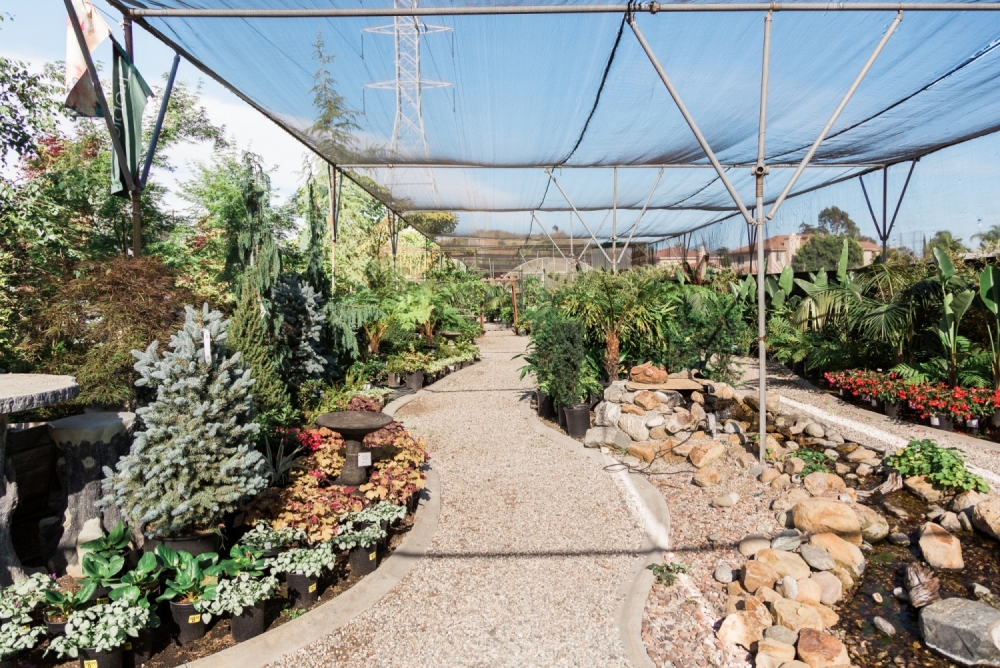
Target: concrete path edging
655 516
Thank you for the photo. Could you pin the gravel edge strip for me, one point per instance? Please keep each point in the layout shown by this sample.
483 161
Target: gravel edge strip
652 512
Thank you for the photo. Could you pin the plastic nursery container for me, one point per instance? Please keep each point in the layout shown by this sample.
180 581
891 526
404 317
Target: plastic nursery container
942 422
363 560
545 408
248 624
892 410
302 589
415 380
577 420
93 658
189 621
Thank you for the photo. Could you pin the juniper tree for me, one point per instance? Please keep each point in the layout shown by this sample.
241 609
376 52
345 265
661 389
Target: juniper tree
247 335
194 458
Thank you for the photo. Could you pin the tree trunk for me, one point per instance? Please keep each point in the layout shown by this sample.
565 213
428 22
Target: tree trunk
10 566
611 354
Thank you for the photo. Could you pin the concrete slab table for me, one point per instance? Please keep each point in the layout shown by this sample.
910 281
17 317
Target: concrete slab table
22 392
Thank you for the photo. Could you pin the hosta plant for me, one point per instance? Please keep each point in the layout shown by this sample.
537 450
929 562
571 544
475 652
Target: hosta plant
265 537
59 605
308 561
16 637
188 580
232 596
21 598
104 627
113 544
102 569
139 582
943 467
242 559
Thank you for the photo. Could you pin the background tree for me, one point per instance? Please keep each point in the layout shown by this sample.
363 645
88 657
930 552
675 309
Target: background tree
822 251
945 241
833 220
989 241
434 223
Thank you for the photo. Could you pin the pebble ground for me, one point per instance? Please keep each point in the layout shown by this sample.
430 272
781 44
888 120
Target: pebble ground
533 542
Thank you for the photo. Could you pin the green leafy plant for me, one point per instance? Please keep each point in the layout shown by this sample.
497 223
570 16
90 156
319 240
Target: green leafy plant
242 559
59 606
113 544
21 598
815 461
264 537
104 627
16 637
943 467
569 356
233 596
102 570
989 292
383 511
188 580
308 561
666 574
350 538
136 585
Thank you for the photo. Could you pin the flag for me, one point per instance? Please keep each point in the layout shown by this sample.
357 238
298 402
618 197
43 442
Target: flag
80 94
128 94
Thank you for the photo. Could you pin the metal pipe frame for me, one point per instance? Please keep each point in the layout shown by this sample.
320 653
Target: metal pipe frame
642 213
585 226
542 228
155 139
886 228
687 116
600 227
759 171
614 227
651 165
836 114
645 7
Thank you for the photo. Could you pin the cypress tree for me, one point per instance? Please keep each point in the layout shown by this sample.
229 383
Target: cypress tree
248 336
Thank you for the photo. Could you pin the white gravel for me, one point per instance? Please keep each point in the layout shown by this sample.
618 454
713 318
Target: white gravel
533 543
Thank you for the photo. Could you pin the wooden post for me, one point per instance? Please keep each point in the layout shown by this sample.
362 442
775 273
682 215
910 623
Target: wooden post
513 298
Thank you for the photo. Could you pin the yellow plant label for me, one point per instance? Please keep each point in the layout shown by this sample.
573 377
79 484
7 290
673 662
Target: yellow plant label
128 646
90 663
104 599
371 556
312 588
194 619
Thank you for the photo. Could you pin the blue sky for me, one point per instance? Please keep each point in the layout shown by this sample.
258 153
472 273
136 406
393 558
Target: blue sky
953 189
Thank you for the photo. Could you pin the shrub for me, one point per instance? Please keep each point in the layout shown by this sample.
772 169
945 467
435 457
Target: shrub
194 458
569 354
247 335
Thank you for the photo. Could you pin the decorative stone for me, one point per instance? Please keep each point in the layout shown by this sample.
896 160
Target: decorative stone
648 373
678 422
753 544
634 426
874 527
817 558
784 563
768 475
629 409
781 482
897 538
781 634
963 519
724 573
726 500
819 483
814 429
788 587
787 541
966 500
796 616
818 649
647 400
986 516
606 414
861 455
920 486
831 588
829 617
884 625
809 591
940 548
788 500
822 515
949 522
965 631
745 627
934 512
613 392
698 413
698 398
863 470
611 437
706 453
643 451
670 398
776 649
844 554
746 460
707 477
658 433
756 574
794 465
655 420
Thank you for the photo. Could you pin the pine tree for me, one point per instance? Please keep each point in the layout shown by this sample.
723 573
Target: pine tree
194 458
298 330
247 335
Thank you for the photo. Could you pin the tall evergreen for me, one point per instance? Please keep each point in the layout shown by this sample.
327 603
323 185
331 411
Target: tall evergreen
317 248
298 329
247 335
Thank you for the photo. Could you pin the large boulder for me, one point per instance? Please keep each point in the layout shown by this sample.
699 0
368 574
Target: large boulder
784 563
796 616
757 574
746 627
648 373
922 487
752 400
614 391
986 516
844 554
965 631
606 414
611 437
874 527
819 483
967 500
821 515
818 649
634 426
940 548
706 453
677 422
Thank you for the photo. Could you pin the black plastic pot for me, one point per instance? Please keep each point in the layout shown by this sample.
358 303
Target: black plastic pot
892 410
394 380
93 658
249 623
995 420
190 623
302 589
577 420
100 595
55 628
545 408
972 424
138 651
363 560
9 662
561 410
415 380
942 422
195 545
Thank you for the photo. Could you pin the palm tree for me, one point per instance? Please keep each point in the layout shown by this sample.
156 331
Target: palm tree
990 239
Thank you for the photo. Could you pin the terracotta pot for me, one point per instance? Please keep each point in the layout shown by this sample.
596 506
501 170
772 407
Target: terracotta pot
189 621
248 624
363 560
302 589
92 658
577 420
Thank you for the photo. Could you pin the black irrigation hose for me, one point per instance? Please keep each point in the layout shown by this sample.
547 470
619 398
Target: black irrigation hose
644 470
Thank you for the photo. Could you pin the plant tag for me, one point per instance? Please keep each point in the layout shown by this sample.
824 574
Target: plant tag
312 587
104 600
128 646
206 340
194 619
371 556
973 423
90 663
364 459
935 421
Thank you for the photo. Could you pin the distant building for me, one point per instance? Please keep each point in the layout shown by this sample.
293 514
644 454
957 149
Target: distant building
675 256
779 251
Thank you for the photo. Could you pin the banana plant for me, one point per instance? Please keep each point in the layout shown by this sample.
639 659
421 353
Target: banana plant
989 292
825 299
955 304
780 289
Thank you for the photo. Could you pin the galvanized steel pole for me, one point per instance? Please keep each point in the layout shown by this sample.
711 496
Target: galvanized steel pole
760 170
573 206
614 227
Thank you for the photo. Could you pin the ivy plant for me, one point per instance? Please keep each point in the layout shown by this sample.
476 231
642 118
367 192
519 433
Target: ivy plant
815 461
943 467
666 574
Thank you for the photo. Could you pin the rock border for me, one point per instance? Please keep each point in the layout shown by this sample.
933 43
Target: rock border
654 514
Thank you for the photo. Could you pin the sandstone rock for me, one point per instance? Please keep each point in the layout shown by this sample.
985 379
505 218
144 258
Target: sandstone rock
684 448
784 563
787 541
874 527
840 469
611 437
920 486
814 429
863 470
844 576
788 587
706 453
940 548
821 515
986 516
755 575
809 591
634 426
817 558
655 420
746 460
897 538
613 392
777 649
844 554
781 634
829 617
698 413
831 589
670 399
767 595
752 400
628 398
606 414
648 373
861 455
740 628
658 433
707 477
966 500
781 482
724 391
949 522
643 451
818 649
788 500
794 465
819 483
677 422
647 400
965 521
698 398
629 409
796 616
795 664
965 631
768 475
726 500
753 544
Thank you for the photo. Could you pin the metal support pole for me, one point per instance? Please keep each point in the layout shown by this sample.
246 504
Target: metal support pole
573 206
614 227
127 28
635 226
534 218
155 139
902 194
760 170
836 114
687 117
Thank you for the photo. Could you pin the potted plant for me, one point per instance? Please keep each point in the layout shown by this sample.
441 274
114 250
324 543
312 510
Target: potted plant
101 570
16 638
362 543
18 601
136 586
115 543
303 567
567 369
409 365
185 587
538 359
271 541
203 471
97 635
243 597
60 605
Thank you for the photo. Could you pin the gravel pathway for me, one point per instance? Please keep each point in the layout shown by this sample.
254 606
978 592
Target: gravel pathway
532 544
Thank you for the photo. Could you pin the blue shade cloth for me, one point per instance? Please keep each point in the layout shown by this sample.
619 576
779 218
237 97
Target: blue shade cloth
525 87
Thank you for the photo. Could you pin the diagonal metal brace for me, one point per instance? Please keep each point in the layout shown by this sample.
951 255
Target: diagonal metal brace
548 170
